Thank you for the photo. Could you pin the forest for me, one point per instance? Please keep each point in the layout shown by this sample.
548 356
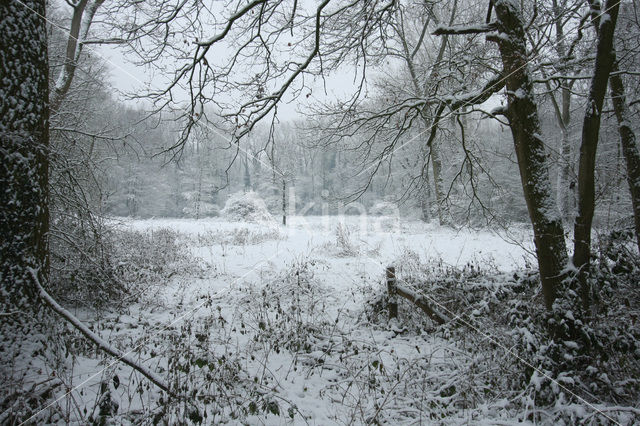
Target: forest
320 212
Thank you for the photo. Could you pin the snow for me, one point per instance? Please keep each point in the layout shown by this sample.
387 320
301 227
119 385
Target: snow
274 329
521 94
380 238
278 317
605 19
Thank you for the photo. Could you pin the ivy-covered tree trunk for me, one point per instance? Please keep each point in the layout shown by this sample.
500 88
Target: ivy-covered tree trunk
24 115
522 113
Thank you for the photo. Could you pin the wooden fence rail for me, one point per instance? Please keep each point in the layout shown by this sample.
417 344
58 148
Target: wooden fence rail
394 290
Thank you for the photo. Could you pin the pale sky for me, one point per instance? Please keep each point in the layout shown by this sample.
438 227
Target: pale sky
127 78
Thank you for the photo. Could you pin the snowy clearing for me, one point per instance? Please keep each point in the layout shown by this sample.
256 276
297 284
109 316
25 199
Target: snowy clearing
265 324
275 320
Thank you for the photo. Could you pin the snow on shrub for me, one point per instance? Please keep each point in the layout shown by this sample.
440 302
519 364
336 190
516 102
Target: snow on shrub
246 207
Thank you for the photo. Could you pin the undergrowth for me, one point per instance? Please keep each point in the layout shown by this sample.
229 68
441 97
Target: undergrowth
261 353
500 324
124 265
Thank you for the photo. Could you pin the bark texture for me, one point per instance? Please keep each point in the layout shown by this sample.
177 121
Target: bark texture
522 113
24 114
628 143
590 135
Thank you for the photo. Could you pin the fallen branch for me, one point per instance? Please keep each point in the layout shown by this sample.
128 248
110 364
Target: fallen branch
419 301
105 346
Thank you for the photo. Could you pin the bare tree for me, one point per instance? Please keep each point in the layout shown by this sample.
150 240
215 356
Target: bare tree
508 32
522 113
523 117
628 142
287 43
427 89
563 71
563 115
409 105
333 33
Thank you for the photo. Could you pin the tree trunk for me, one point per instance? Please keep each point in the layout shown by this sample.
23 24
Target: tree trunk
590 135
436 165
24 141
425 197
421 90
565 188
436 162
628 143
522 113
247 174
284 202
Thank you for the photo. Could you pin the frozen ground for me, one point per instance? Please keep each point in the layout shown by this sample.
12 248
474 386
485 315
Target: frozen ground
273 328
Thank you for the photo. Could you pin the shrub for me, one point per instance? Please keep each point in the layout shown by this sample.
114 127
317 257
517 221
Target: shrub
246 207
120 264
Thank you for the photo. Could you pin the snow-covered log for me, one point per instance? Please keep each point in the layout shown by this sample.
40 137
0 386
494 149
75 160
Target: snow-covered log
394 290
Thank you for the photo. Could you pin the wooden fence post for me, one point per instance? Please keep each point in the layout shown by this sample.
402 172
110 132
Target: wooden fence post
393 294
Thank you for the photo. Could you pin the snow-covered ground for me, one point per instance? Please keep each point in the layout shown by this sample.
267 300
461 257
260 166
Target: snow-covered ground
273 327
379 242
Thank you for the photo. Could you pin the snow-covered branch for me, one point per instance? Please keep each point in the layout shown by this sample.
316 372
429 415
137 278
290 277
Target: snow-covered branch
102 344
469 29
